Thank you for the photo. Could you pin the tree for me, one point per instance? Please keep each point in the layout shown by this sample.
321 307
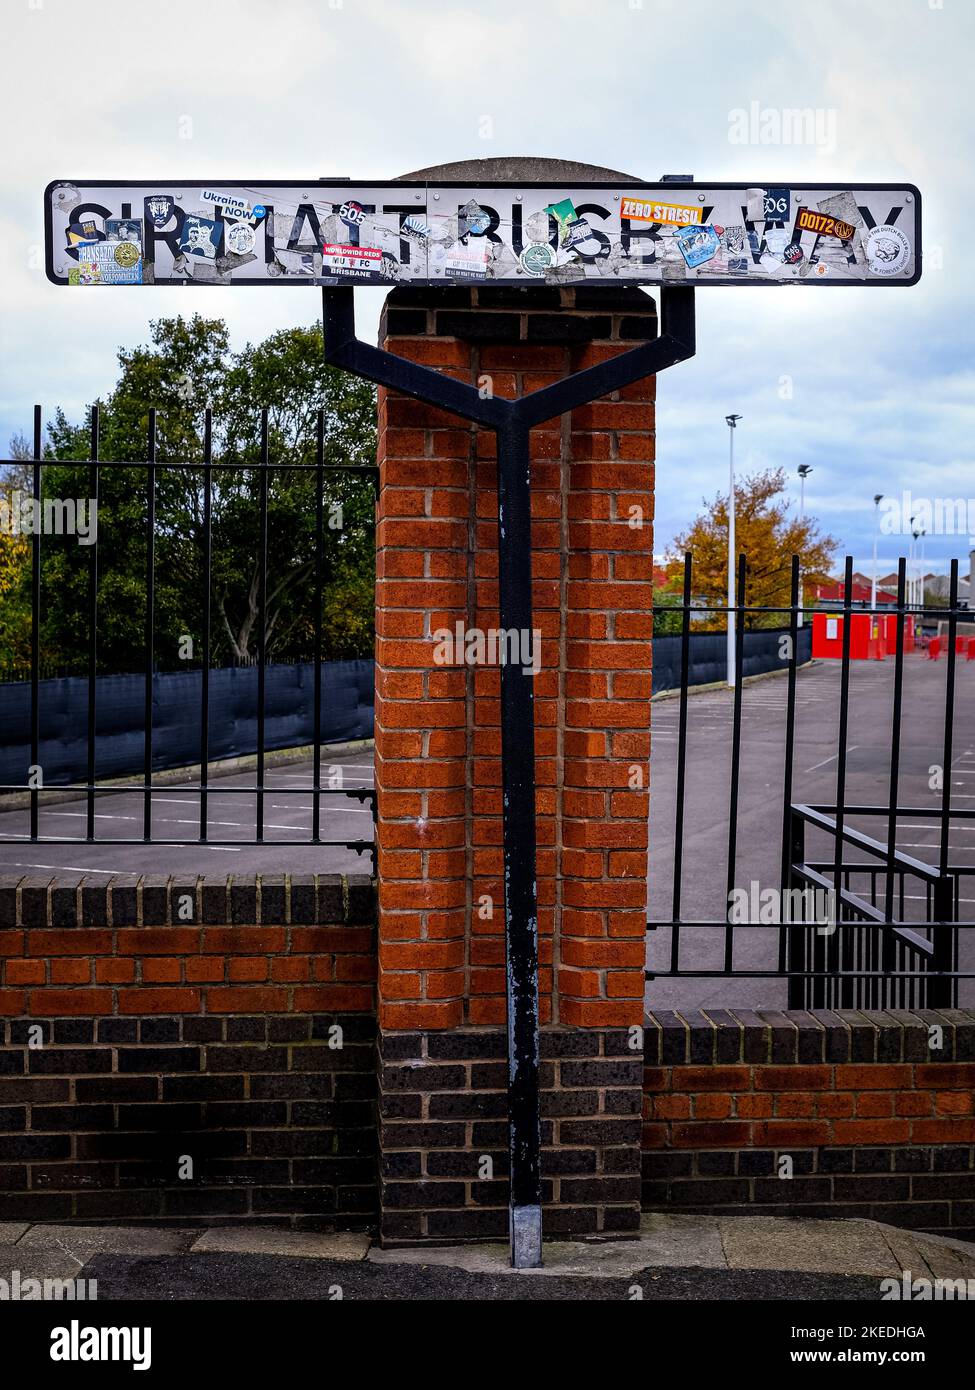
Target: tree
15 617
16 481
767 536
286 374
668 597
189 366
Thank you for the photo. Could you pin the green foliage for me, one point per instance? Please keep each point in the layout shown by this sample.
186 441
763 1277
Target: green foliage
767 535
187 367
670 597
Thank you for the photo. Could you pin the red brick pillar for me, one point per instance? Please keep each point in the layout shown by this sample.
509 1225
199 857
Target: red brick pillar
438 765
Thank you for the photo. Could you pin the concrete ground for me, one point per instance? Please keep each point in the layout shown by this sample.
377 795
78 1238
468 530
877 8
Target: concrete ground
230 816
675 1258
760 808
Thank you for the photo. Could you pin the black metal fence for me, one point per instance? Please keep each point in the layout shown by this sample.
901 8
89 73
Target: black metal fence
867 950
706 656
88 687
878 949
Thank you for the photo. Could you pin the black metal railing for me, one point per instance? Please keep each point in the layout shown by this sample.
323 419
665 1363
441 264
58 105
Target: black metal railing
262 469
895 920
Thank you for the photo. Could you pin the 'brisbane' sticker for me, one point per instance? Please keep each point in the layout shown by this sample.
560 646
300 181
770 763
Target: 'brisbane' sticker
823 224
352 262
668 214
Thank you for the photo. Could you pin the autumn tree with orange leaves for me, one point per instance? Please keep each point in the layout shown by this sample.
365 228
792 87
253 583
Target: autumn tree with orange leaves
768 535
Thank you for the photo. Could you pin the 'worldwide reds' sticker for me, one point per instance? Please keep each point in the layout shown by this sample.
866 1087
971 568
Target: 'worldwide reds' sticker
351 262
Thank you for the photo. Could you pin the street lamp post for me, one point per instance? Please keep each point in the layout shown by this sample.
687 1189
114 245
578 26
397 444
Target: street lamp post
731 421
804 470
915 533
877 499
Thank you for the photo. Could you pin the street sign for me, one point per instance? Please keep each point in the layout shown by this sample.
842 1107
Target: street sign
219 232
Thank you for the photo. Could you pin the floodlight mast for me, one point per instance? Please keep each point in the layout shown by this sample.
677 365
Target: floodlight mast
732 422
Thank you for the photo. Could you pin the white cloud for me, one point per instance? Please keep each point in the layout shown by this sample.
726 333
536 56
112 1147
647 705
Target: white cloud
307 88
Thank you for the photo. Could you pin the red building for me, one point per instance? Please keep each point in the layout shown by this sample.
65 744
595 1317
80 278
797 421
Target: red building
861 592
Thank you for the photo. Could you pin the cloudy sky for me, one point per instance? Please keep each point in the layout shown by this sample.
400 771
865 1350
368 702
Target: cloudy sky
873 388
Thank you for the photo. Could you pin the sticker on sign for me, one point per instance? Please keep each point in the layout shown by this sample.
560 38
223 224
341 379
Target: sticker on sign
356 262
416 232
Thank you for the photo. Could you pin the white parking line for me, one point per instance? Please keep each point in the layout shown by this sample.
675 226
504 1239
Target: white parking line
920 844
225 824
831 758
922 898
64 868
910 824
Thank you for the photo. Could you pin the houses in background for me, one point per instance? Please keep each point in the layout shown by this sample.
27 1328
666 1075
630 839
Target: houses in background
935 587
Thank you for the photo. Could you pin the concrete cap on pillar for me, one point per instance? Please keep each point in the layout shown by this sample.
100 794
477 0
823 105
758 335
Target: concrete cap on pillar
515 169
519 168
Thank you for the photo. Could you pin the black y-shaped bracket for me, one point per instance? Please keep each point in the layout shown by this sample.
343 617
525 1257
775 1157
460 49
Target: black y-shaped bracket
512 421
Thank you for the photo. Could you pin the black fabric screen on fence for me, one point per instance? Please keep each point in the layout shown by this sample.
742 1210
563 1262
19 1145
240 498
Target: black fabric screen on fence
347 708
347 713
707 659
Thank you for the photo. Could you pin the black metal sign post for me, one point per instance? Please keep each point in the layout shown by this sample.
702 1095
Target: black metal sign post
512 422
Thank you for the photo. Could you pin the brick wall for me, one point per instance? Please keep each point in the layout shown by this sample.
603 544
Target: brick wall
444 1134
874 1111
132 1038
438 762
438 768
152 1020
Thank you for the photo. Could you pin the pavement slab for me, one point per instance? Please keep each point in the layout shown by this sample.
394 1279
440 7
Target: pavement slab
907 1255
678 1241
88 1240
944 1261
270 1240
825 1247
18 1264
